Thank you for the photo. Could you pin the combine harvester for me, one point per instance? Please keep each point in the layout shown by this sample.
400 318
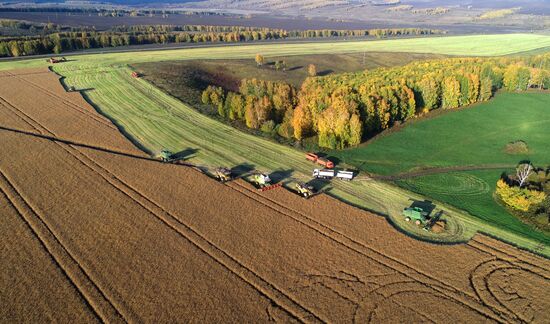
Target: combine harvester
326 163
304 189
165 156
223 174
331 174
263 182
422 218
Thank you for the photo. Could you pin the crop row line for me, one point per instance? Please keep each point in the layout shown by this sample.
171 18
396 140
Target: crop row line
349 243
31 122
265 288
479 279
505 256
75 273
76 107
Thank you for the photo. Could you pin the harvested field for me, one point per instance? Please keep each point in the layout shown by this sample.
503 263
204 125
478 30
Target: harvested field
122 237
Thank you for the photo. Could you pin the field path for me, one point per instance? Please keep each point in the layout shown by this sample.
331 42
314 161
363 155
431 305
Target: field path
435 170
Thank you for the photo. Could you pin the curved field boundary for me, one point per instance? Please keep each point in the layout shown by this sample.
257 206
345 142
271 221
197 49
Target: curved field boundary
370 253
120 308
75 107
250 277
479 279
518 259
76 274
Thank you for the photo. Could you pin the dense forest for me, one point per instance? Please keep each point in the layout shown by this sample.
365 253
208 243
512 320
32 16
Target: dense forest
48 41
342 110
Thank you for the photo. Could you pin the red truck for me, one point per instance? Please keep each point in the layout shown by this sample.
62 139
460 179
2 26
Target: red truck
319 160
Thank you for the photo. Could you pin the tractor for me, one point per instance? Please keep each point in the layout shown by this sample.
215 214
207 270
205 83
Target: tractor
165 155
262 180
416 215
304 189
223 174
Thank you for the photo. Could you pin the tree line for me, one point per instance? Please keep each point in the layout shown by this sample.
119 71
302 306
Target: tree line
64 41
341 110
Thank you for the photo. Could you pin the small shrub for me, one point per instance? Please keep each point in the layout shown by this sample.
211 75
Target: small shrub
268 127
516 147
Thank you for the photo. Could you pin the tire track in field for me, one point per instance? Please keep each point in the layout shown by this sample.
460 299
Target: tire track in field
479 280
517 260
37 126
265 288
77 276
75 107
456 294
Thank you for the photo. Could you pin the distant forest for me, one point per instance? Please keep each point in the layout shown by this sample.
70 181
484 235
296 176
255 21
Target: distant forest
54 39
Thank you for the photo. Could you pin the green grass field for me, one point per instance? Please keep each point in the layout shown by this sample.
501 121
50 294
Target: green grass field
471 136
475 136
155 120
473 45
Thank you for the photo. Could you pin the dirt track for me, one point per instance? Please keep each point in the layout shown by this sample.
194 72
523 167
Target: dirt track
119 238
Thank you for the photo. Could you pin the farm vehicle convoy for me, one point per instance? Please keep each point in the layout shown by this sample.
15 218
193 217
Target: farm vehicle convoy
263 182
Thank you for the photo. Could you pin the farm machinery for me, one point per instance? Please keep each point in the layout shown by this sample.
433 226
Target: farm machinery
135 75
422 218
223 174
332 174
263 182
165 155
304 189
328 164
416 215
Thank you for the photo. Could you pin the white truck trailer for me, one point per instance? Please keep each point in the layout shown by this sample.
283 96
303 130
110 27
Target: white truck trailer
330 174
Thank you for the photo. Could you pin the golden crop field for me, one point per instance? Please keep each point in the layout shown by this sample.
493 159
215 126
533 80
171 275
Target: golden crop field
95 230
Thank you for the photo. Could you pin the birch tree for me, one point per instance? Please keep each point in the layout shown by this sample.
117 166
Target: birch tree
523 172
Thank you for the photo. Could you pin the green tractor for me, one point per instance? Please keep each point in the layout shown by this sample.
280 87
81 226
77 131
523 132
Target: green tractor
165 155
416 215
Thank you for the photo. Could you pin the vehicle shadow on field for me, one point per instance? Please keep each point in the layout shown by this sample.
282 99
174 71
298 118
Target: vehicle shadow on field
185 154
242 170
280 175
319 184
426 205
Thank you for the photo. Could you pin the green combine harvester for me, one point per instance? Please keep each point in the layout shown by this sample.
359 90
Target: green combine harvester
165 155
416 215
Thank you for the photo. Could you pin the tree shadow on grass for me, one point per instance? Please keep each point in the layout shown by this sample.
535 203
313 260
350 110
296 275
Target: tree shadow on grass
325 72
294 68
